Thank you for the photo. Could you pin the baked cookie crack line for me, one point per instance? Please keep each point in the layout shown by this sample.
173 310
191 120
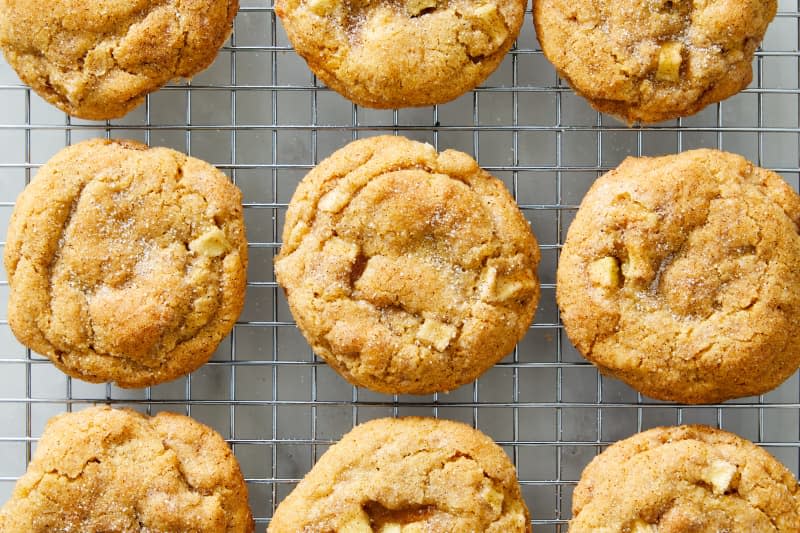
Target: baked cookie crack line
379 515
114 36
331 184
654 289
496 484
373 507
57 472
44 494
217 264
50 266
185 34
314 209
734 493
363 182
458 323
179 470
180 162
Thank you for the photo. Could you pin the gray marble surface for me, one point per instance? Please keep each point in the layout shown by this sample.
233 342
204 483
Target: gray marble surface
258 114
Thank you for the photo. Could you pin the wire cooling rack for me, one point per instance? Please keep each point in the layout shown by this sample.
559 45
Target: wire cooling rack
259 115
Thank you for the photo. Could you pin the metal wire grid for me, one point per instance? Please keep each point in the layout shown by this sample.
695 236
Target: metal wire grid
259 115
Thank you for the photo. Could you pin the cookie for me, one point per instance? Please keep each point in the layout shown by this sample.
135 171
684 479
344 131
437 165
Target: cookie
408 271
401 54
653 60
116 470
98 59
686 478
407 475
681 276
126 263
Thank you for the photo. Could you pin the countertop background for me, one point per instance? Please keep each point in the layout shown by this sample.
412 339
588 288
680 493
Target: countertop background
259 114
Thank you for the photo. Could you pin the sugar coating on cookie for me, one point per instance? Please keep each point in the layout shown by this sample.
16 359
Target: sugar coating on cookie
686 478
104 469
407 475
407 270
98 59
126 263
653 60
681 276
400 54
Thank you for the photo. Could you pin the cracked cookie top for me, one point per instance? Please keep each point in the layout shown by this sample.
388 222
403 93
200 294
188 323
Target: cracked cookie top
126 263
97 59
686 478
388 54
681 276
653 60
116 470
407 270
407 475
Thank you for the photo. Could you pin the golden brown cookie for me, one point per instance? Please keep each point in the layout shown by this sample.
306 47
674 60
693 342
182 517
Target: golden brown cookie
115 470
401 54
407 475
681 276
686 478
407 270
98 59
653 60
126 263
